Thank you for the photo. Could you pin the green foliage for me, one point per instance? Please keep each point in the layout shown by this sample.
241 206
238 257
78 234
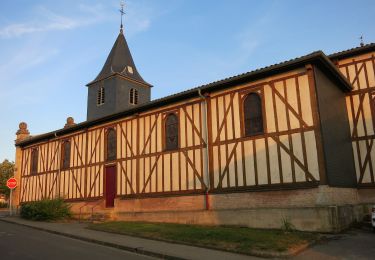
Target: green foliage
3 205
286 225
45 210
6 171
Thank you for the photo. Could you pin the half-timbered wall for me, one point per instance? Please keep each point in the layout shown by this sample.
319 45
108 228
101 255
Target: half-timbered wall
147 167
284 155
51 180
360 71
143 165
286 152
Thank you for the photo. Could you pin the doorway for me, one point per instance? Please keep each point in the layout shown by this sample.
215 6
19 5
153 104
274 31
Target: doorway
110 186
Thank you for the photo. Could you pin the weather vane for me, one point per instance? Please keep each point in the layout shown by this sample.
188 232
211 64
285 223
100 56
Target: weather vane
362 43
122 4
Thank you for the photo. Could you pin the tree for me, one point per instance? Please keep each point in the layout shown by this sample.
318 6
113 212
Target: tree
6 171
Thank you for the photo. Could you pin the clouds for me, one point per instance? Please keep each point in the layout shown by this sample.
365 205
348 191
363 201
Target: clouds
45 20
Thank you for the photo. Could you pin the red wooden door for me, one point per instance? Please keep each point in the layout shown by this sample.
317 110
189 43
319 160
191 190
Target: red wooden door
110 186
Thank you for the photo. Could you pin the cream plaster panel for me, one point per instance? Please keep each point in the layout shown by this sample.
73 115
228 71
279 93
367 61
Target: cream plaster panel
286 160
270 113
274 161
261 161
304 91
249 162
312 156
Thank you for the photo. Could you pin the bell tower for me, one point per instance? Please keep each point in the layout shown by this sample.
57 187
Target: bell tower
118 86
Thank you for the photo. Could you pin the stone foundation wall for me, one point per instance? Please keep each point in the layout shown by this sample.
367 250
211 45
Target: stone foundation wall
367 195
329 219
322 209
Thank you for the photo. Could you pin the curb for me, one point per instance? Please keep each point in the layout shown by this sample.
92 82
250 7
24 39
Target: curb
137 250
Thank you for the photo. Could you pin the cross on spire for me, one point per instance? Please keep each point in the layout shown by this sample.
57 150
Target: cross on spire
361 43
122 4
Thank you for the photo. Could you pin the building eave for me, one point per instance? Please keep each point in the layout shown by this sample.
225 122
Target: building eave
143 83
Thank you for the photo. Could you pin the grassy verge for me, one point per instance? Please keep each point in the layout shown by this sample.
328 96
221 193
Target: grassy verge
235 239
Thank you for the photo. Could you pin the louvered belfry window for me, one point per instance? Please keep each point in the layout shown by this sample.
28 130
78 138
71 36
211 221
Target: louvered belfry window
133 96
171 132
65 156
101 96
253 117
111 144
34 161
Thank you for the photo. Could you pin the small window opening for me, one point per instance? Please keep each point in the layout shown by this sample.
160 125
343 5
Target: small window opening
65 155
34 161
171 132
253 117
100 97
111 145
133 96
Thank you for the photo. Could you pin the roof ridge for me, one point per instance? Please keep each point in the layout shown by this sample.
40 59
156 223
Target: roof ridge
352 51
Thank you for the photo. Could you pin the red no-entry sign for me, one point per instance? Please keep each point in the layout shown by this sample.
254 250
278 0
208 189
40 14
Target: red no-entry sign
11 183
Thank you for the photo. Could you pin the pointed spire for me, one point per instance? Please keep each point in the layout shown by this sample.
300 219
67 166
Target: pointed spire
120 61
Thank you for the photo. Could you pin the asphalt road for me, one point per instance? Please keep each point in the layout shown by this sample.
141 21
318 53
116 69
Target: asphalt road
19 242
354 244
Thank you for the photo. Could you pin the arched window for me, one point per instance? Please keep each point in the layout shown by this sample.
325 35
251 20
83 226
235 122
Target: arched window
171 132
100 97
65 155
34 161
111 144
253 118
133 96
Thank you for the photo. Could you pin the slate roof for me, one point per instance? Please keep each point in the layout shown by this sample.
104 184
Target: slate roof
317 58
118 61
354 51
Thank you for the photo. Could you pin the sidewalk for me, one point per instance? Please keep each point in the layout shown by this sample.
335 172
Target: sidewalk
140 245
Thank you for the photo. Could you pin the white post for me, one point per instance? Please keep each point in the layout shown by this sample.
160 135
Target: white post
10 202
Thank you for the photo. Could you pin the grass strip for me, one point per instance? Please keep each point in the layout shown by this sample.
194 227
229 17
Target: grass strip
235 239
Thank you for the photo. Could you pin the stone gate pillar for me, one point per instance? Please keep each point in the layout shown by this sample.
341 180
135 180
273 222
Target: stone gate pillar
21 134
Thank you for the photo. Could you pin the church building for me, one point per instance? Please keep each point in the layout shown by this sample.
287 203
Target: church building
292 141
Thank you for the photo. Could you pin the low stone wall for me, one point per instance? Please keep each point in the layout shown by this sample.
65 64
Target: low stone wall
367 195
309 219
322 209
317 219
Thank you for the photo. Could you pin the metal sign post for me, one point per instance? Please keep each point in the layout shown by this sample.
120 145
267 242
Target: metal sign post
10 202
11 184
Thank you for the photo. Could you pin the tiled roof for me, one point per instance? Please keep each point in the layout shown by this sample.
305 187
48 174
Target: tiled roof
353 51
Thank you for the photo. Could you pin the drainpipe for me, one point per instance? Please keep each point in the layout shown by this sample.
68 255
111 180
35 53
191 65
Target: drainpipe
205 138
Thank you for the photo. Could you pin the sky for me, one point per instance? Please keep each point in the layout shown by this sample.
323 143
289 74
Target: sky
49 50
